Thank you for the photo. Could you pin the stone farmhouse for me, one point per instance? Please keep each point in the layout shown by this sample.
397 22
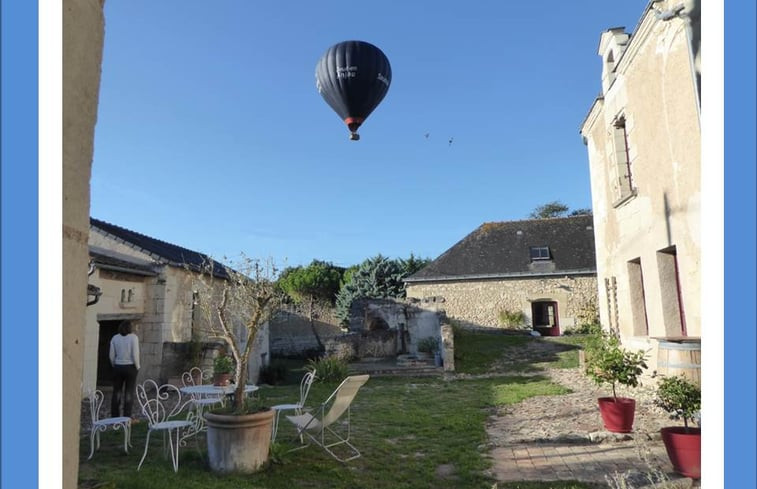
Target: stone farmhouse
147 282
542 268
643 139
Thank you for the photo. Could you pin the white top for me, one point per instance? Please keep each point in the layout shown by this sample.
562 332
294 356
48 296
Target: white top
124 350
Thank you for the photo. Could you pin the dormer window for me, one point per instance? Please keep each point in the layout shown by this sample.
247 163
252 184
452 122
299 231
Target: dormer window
608 73
540 253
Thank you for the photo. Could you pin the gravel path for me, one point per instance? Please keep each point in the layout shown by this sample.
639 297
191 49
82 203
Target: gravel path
575 416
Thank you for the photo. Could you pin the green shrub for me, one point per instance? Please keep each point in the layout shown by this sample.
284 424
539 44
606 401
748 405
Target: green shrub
223 364
376 278
428 345
329 369
274 373
586 328
512 319
680 397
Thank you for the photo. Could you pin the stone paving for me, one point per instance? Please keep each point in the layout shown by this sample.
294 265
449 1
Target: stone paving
554 438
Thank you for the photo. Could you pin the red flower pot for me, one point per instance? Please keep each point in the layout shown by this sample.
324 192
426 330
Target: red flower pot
684 450
617 413
221 379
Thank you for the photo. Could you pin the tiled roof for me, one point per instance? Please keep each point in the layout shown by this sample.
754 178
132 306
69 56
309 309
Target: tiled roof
502 249
160 250
108 260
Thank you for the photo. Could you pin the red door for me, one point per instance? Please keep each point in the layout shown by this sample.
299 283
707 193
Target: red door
545 318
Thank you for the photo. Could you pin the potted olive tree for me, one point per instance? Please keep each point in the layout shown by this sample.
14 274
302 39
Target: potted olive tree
682 399
236 303
608 363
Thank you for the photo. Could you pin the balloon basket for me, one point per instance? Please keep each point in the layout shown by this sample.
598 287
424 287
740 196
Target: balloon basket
354 136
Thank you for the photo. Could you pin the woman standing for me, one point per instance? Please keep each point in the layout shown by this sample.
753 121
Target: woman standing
124 357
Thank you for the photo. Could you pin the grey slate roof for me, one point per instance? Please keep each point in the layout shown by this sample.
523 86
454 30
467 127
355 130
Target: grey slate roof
108 260
502 250
160 250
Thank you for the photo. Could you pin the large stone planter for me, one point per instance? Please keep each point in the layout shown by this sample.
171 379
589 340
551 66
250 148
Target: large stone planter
239 443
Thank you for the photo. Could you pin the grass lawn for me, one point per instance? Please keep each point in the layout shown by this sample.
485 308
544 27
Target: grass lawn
406 428
481 353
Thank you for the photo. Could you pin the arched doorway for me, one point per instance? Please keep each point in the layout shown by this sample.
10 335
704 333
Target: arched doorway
544 316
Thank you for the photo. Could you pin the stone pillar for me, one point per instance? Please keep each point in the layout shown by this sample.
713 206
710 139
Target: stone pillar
150 332
448 348
83 31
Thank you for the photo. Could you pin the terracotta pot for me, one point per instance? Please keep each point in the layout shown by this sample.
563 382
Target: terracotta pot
221 379
617 413
684 449
239 443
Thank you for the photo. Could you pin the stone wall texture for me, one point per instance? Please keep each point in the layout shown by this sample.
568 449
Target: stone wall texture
83 33
292 334
478 303
377 328
654 91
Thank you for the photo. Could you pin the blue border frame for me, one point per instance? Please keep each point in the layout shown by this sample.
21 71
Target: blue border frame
19 244
739 326
18 248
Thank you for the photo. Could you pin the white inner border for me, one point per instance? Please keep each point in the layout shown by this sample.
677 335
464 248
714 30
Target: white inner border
50 239
50 226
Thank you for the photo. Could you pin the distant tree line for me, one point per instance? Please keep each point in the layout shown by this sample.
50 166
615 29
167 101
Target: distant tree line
323 284
556 209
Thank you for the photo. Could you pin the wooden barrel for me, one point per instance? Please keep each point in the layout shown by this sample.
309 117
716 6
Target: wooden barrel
680 357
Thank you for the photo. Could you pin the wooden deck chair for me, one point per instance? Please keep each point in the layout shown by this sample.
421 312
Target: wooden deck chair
317 423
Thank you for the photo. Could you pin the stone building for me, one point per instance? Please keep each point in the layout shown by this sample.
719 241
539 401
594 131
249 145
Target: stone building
643 138
542 270
148 282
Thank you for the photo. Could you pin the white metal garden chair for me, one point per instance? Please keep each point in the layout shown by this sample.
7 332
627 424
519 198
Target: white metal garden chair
305 383
159 405
99 425
317 424
201 401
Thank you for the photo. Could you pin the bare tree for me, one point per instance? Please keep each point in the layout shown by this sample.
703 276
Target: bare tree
236 302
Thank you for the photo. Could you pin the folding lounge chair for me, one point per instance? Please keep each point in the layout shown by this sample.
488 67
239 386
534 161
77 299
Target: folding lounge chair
317 423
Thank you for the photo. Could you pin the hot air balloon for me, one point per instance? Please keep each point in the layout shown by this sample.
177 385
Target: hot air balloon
353 77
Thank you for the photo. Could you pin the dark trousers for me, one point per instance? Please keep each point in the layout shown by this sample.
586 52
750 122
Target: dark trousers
123 375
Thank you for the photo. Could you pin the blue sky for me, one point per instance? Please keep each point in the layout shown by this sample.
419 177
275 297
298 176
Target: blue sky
211 133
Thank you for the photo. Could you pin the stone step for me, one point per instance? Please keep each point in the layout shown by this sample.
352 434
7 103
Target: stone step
400 372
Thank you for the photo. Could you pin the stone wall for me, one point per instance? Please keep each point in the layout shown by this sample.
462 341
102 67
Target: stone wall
292 334
654 91
83 33
366 344
377 328
177 358
478 303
